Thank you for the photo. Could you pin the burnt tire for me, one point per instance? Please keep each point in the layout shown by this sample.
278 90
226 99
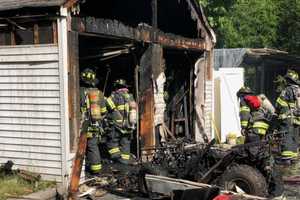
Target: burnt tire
247 178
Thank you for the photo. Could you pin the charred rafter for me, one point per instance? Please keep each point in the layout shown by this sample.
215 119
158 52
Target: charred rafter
142 33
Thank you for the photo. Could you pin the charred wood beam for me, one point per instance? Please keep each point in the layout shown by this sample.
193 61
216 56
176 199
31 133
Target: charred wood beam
143 33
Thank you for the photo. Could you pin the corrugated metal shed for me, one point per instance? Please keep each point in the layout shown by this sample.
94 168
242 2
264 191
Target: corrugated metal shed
16 4
30 118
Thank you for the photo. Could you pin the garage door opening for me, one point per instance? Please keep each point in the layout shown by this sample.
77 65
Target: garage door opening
111 59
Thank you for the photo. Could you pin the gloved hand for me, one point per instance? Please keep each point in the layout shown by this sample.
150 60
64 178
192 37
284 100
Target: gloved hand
243 132
296 112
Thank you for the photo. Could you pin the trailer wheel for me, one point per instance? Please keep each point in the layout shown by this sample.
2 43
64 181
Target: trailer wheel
246 178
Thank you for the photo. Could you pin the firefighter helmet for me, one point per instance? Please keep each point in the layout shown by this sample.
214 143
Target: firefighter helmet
293 76
120 82
88 76
244 91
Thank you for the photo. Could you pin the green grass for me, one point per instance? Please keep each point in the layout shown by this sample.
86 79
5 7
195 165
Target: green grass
12 186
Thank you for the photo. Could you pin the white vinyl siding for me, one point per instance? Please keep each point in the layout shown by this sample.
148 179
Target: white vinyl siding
30 118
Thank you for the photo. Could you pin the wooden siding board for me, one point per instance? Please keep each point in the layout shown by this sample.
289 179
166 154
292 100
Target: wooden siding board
29 107
30 148
33 121
30 118
32 162
36 94
17 127
41 72
26 66
30 155
22 114
32 86
31 135
29 141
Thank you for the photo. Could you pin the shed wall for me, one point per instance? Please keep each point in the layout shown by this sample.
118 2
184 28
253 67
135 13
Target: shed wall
30 118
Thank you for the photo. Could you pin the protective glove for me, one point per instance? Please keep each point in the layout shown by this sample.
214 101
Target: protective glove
243 132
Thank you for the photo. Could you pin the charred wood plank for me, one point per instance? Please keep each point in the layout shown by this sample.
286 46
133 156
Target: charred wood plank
142 33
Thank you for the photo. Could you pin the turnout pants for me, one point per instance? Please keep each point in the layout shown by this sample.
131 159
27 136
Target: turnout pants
119 145
93 159
289 146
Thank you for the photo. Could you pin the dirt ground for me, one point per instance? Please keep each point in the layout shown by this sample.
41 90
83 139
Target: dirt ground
292 191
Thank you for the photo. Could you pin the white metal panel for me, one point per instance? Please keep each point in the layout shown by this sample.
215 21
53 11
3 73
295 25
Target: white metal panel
30 112
231 80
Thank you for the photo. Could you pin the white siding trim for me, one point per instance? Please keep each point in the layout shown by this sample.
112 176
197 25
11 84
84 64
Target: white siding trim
63 66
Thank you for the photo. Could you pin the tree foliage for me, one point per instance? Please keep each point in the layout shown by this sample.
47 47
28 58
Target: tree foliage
255 23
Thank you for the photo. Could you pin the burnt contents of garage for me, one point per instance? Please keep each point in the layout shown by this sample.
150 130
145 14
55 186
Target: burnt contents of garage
153 45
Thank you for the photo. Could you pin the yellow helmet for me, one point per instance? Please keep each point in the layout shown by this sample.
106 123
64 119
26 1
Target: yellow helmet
120 82
292 76
88 76
244 91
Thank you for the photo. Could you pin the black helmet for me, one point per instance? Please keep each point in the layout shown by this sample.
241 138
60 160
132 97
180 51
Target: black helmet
292 76
244 91
120 82
88 76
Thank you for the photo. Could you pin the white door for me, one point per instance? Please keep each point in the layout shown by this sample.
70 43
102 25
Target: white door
227 82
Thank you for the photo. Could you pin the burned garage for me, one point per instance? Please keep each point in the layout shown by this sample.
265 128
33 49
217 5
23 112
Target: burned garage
163 49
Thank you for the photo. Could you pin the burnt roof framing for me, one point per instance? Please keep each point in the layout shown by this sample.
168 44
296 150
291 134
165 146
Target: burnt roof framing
145 34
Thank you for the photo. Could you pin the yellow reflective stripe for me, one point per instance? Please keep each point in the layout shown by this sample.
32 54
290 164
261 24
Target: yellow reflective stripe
292 105
244 123
126 95
89 135
287 153
114 150
125 156
282 116
111 103
103 110
282 102
244 109
295 154
262 125
296 120
121 107
96 167
262 131
87 102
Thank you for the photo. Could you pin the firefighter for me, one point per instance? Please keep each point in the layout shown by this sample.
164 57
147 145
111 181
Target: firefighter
244 108
122 119
92 106
287 108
